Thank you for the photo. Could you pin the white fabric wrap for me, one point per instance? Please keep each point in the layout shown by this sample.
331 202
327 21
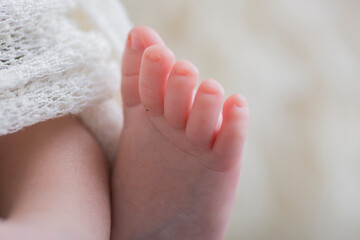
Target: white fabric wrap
60 57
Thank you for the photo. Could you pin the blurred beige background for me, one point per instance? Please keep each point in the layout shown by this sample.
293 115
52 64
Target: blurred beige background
298 63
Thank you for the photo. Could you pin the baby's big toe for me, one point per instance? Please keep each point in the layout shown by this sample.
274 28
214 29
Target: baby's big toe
156 64
140 38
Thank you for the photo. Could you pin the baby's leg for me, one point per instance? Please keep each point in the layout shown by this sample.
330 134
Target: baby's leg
53 184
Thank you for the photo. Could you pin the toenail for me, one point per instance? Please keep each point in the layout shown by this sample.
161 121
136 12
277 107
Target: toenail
153 56
181 71
210 88
135 42
240 103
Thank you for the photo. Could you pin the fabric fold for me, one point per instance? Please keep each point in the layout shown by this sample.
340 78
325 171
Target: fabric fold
50 66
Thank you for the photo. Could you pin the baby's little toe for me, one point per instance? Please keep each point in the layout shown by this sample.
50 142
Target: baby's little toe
230 141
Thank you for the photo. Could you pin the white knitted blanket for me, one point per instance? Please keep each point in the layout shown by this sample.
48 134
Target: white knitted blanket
61 57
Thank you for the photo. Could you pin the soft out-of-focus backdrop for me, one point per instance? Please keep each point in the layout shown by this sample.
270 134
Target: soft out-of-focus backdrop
298 63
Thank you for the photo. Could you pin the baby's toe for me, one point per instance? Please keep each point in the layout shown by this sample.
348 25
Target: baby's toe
179 93
140 38
230 141
156 65
205 112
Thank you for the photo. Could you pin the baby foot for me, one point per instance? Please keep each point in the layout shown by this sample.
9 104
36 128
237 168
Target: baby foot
179 161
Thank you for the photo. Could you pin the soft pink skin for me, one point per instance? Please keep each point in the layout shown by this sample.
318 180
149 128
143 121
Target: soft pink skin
54 184
178 164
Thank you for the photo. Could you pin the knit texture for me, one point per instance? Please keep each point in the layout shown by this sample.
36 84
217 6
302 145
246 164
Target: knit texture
61 57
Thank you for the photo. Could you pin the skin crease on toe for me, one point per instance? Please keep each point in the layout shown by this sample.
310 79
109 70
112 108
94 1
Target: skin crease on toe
179 158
